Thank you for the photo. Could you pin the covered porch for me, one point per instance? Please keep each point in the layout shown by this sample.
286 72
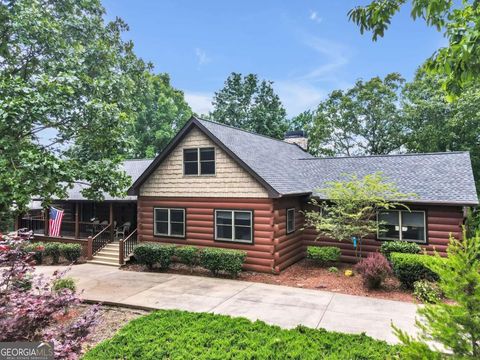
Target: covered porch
84 219
92 224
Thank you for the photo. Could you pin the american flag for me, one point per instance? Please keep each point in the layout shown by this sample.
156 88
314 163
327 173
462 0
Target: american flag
55 221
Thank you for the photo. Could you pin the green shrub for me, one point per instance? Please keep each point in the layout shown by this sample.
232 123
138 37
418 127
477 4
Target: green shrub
427 291
216 260
333 270
71 252
170 334
409 268
64 283
405 247
154 254
38 250
52 249
322 255
188 255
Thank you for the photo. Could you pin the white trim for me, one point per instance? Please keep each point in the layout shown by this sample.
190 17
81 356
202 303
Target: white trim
289 231
169 223
400 232
232 224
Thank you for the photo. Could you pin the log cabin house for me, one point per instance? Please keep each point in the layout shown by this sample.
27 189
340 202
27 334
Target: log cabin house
219 186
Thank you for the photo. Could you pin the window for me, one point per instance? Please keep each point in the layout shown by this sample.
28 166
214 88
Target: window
199 161
402 225
169 222
233 225
290 220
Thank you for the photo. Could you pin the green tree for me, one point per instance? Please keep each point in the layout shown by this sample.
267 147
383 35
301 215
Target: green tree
459 62
303 121
163 112
250 104
434 124
351 207
456 324
363 120
68 84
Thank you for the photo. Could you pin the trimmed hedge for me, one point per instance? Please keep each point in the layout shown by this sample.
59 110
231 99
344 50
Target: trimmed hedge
323 255
37 249
409 268
188 255
405 247
154 254
52 249
214 259
226 260
171 334
71 252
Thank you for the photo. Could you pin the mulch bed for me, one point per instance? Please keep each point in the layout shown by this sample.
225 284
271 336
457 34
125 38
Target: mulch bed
305 275
111 319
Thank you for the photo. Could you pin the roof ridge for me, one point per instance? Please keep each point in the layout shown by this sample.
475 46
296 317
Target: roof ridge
146 159
386 155
247 131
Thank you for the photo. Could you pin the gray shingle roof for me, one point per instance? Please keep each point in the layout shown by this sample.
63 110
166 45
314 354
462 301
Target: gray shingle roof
133 168
285 169
436 177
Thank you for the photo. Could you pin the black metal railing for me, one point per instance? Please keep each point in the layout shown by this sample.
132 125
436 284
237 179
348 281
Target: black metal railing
101 239
126 246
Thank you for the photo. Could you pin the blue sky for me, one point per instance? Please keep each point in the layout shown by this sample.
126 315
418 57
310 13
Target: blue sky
308 48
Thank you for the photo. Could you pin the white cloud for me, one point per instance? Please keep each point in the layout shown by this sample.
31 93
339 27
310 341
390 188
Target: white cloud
335 55
200 102
314 17
298 96
306 90
202 56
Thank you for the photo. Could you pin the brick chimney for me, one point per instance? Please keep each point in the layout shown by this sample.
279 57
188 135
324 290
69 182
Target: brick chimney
298 137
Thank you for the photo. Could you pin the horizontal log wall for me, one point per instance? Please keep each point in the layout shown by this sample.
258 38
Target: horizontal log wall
441 222
289 248
200 224
273 249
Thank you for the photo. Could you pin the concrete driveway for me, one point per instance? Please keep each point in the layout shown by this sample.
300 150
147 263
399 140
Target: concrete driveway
274 304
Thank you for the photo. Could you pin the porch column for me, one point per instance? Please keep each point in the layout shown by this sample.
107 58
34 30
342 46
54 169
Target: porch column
46 218
111 221
17 222
77 224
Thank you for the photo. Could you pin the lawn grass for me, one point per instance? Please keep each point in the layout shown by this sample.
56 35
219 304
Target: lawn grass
174 334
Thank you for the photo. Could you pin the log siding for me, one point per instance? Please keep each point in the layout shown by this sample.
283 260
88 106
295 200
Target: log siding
441 221
200 225
272 248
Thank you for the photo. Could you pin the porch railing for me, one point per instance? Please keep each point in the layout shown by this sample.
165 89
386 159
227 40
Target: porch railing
126 246
68 229
97 242
37 225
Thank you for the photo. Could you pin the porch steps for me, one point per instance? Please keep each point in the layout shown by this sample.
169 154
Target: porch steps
107 255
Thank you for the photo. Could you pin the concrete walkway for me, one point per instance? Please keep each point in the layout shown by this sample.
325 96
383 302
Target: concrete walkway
274 304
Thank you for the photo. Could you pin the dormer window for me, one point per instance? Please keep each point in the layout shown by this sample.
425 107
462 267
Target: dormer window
199 161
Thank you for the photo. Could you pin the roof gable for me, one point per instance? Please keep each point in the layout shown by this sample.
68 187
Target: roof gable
192 123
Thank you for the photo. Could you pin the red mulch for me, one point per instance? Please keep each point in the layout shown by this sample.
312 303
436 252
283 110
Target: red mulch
308 276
